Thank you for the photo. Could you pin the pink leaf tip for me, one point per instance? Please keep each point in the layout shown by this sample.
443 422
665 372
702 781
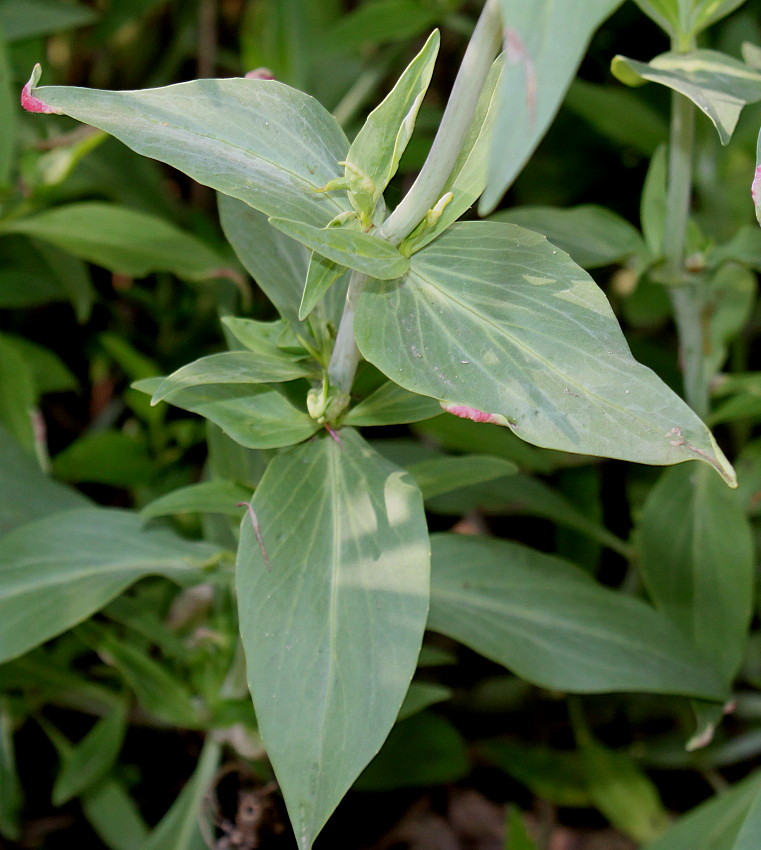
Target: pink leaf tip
473 413
755 192
32 103
260 74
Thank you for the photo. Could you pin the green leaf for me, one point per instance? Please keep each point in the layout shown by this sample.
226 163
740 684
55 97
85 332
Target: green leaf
423 750
502 327
263 338
219 497
696 557
158 692
322 274
444 474
122 240
232 367
49 372
114 816
256 140
179 829
517 836
255 416
593 236
618 114
91 759
555 776
717 84
21 20
665 13
420 696
57 571
652 211
18 396
332 629
553 625
379 145
544 44
390 404
751 828
716 823
379 22
108 457
8 110
352 248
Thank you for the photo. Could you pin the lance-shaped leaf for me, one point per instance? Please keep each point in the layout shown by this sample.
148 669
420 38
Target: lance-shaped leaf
122 240
687 17
544 44
322 274
233 367
697 562
256 140
717 84
352 248
332 620
254 415
58 571
379 145
390 404
502 327
552 624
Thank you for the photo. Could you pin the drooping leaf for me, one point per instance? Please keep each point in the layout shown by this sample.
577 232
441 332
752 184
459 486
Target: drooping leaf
206 497
442 475
180 829
352 248
717 84
57 571
122 240
392 405
502 327
552 624
91 759
332 628
257 140
232 367
254 415
593 236
696 557
544 43
380 143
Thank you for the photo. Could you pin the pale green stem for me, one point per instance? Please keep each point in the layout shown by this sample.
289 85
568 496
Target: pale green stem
427 188
345 358
686 295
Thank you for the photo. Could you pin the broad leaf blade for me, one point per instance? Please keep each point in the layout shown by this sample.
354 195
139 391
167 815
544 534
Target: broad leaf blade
352 248
56 572
257 140
497 323
697 562
553 625
717 84
544 43
333 630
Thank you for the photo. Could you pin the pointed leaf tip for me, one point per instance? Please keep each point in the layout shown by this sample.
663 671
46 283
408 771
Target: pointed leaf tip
755 191
29 101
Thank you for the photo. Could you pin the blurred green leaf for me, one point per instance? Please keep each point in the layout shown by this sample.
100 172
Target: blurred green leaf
381 21
107 457
11 794
219 497
30 18
420 696
390 404
442 475
8 110
18 396
114 816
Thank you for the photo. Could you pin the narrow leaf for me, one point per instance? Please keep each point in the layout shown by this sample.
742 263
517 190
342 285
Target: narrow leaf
544 44
717 84
502 327
390 404
114 816
257 140
553 625
444 474
322 274
697 562
8 111
333 627
352 248
58 571
219 497
11 795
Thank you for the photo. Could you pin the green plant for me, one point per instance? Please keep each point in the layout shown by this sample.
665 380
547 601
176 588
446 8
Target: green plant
387 319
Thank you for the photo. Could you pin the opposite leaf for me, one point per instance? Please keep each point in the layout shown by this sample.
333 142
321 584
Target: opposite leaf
332 627
256 140
717 84
502 327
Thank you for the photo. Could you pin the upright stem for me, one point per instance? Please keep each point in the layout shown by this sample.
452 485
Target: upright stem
426 190
686 295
